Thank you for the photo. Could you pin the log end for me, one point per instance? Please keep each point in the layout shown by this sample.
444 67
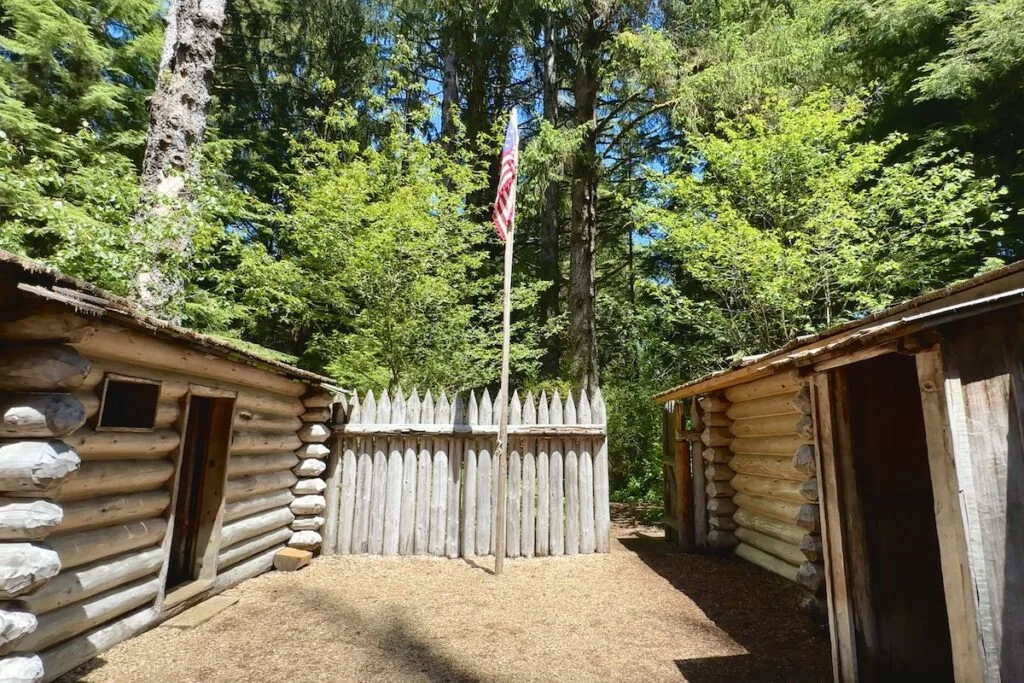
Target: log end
305 540
811 575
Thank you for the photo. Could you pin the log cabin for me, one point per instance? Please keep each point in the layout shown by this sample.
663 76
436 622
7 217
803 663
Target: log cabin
879 464
143 468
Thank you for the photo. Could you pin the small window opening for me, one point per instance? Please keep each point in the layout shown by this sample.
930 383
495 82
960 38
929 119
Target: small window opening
129 404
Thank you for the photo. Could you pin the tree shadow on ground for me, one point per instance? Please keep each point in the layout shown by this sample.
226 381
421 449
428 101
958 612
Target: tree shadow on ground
392 636
761 612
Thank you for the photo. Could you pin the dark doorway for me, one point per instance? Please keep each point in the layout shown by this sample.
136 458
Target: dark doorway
200 489
901 621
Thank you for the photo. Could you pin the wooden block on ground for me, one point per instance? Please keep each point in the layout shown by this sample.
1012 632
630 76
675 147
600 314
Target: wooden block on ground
291 559
202 612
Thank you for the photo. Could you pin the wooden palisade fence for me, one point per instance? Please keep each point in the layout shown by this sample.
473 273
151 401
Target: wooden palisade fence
416 476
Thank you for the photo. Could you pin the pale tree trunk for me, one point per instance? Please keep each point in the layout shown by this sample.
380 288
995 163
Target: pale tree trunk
549 257
583 236
177 122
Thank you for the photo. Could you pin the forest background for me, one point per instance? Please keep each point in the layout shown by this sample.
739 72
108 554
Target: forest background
699 179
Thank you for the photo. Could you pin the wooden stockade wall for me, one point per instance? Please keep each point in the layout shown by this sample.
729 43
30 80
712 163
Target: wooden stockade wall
417 476
85 514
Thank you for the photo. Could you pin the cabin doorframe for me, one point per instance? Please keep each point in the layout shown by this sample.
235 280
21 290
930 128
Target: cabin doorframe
850 611
209 517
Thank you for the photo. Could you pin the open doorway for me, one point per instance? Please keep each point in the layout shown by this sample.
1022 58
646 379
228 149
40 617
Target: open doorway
893 566
200 494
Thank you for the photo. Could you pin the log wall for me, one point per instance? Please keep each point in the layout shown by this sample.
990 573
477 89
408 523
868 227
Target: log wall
761 481
84 513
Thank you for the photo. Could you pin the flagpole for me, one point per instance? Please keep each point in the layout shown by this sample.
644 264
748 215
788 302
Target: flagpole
499 555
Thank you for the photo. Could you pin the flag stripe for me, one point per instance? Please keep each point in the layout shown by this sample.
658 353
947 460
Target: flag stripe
505 203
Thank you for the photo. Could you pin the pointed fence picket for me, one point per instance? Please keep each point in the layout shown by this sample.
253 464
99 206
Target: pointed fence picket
418 475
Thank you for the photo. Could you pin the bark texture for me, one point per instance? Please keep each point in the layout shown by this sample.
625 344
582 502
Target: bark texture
177 122
550 269
583 235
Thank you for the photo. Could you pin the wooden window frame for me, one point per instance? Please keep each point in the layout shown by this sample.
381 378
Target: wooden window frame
127 379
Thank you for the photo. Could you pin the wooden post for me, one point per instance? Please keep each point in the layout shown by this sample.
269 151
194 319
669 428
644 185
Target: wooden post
684 479
668 467
700 496
499 555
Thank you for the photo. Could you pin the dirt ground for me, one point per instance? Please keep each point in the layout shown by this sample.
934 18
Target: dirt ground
638 614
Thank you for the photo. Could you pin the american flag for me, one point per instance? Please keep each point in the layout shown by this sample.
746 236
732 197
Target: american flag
505 204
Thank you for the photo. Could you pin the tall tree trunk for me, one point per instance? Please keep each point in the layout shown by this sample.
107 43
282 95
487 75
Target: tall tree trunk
449 92
177 122
583 236
549 256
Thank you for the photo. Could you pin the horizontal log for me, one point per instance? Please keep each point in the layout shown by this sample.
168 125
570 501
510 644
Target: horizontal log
245 419
67 622
266 403
812 548
39 415
318 398
173 386
254 566
242 465
788 532
718 472
808 518
66 656
780 404
254 525
248 506
42 367
28 520
305 540
24 567
310 467
716 437
811 576
768 487
308 523
723 540
716 420
767 561
782 510
718 455
105 477
79 583
248 548
316 415
314 432
313 450
719 489
50 322
773 425
249 486
776 466
308 505
780 383
721 506
81 547
786 552
21 668
111 510
804 461
103 445
768 445
723 522
35 466
245 442
137 347
309 486
15 626
551 431
715 403
809 490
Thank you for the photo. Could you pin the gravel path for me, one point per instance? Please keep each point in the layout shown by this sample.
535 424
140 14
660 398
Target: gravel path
637 614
